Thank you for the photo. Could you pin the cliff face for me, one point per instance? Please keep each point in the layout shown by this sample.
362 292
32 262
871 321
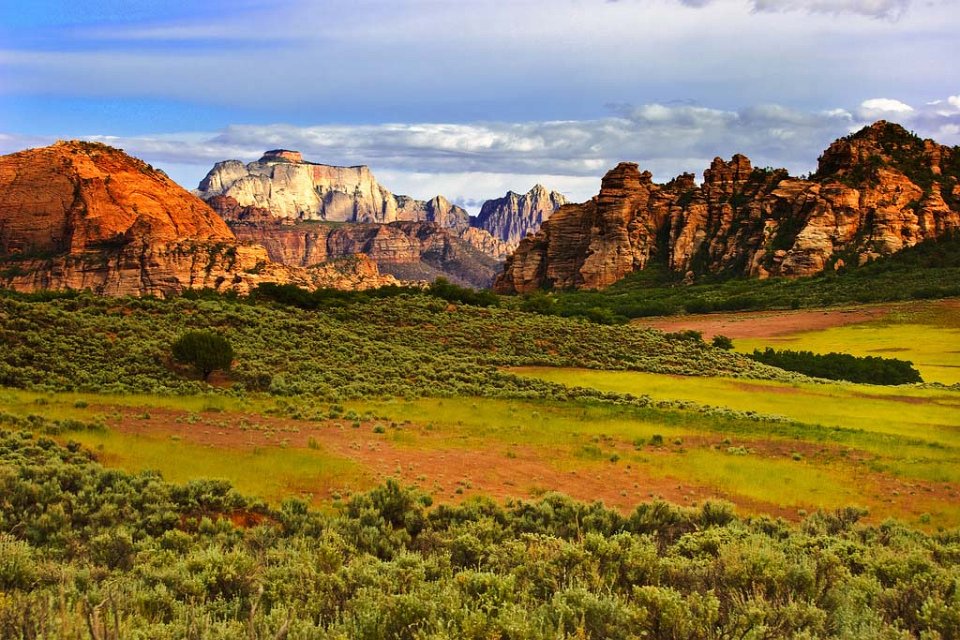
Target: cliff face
513 216
408 250
79 215
875 193
282 183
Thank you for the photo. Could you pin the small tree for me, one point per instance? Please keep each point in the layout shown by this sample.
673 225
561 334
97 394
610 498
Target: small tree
204 350
722 342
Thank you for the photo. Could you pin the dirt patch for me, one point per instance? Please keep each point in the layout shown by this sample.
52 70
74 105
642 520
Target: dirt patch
451 467
439 465
767 324
759 388
904 399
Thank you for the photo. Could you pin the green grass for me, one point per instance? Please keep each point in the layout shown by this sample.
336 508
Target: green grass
933 350
850 454
781 482
844 461
271 474
918 413
910 433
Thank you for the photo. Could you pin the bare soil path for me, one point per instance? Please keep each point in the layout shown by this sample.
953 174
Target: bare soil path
767 324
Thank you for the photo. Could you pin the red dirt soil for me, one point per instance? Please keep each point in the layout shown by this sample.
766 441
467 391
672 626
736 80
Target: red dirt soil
765 324
453 473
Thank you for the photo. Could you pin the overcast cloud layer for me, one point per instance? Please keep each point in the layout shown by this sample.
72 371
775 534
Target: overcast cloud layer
469 99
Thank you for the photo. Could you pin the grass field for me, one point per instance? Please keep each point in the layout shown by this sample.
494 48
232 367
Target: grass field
925 333
934 351
854 454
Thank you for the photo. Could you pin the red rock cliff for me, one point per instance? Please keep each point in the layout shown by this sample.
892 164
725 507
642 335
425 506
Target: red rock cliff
875 192
80 215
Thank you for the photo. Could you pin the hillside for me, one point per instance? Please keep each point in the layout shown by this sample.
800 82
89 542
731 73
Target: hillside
875 193
364 345
927 270
80 215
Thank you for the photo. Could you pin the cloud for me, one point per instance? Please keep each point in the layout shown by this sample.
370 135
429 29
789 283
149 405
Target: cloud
889 9
474 161
879 106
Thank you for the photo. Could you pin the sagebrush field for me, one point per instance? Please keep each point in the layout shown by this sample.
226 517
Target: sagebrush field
466 409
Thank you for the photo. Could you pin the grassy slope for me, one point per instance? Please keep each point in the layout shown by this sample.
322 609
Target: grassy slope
927 335
408 345
929 270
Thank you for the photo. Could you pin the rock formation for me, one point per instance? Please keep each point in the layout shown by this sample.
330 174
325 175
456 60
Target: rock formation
875 192
290 188
80 215
412 251
513 216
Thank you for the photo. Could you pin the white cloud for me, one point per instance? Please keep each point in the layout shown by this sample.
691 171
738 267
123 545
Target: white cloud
884 105
475 161
892 9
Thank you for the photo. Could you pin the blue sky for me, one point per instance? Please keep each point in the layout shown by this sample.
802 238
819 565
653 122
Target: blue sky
470 98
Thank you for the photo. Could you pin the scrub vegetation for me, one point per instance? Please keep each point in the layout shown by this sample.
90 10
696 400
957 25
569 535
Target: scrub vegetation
422 464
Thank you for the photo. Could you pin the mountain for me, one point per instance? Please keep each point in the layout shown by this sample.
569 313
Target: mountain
412 251
290 188
80 215
276 200
513 216
875 192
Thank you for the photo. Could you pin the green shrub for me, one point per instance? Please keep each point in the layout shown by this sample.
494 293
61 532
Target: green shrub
722 342
205 351
841 366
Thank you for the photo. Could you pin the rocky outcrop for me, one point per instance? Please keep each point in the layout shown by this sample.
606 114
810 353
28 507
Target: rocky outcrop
875 192
411 251
513 216
290 188
79 215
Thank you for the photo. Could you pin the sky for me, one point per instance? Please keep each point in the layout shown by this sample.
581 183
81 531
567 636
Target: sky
470 98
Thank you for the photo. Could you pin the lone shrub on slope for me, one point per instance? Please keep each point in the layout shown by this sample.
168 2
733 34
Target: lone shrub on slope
204 350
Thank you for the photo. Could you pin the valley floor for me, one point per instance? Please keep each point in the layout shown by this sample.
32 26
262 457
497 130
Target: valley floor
925 333
894 451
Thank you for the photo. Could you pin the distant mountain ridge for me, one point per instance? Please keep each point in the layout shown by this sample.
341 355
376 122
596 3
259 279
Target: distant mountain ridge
291 188
515 215
281 188
875 192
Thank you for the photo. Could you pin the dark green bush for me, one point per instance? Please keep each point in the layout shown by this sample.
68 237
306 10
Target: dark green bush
841 366
205 351
722 342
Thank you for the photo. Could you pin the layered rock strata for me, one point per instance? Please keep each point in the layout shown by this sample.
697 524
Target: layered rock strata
875 192
417 251
80 215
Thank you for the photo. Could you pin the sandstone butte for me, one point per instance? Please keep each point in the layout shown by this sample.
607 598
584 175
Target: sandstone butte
875 192
282 187
79 215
